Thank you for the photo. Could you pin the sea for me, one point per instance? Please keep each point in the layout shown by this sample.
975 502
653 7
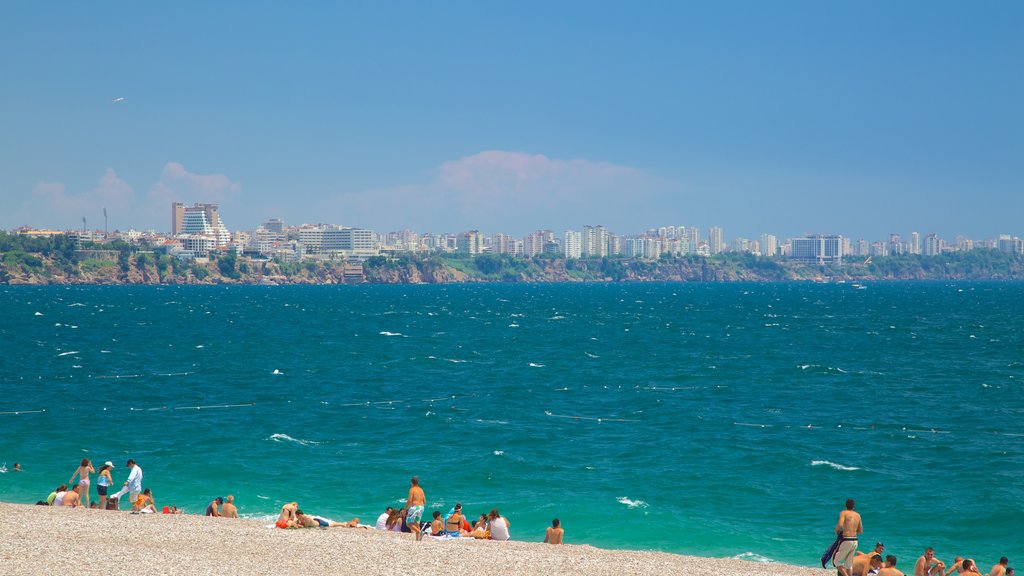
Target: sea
720 420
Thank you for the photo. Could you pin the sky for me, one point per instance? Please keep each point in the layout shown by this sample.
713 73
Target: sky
857 118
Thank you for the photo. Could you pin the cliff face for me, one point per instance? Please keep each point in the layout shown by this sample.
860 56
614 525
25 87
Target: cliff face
143 269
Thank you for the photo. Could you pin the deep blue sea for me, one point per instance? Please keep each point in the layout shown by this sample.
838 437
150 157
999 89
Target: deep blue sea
727 420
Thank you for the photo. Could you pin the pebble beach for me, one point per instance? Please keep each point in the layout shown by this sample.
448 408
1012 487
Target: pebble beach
45 540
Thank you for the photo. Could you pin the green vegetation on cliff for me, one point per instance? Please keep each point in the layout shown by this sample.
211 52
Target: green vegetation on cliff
57 260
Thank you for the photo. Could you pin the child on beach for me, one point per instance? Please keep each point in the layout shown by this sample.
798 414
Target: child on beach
83 471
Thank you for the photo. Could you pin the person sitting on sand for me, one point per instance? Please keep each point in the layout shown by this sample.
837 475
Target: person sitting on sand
288 518
890 567
1000 568
228 510
969 567
145 504
862 562
456 522
52 497
310 521
211 508
382 520
498 525
58 499
928 565
394 523
437 525
554 532
73 498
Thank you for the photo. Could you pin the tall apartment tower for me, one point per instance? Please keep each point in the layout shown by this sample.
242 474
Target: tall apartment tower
595 242
177 217
573 244
715 240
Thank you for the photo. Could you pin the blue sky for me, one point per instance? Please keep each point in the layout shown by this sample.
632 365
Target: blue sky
857 118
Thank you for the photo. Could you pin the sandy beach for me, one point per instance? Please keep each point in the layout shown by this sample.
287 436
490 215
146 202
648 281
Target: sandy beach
45 540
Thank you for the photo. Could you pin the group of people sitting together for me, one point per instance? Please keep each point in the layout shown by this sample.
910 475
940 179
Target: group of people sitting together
873 564
491 526
77 495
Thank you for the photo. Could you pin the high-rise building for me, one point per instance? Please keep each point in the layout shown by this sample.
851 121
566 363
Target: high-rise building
199 220
595 242
573 244
915 243
470 242
716 242
932 245
817 248
769 245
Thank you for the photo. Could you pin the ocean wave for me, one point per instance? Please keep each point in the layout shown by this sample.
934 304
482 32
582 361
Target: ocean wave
68 353
833 465
631 503
386 333
287 438
499 452
753 557
535 365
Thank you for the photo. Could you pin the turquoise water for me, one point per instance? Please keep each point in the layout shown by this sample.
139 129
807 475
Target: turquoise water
719 420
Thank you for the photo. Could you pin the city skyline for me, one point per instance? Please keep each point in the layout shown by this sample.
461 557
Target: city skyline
784 119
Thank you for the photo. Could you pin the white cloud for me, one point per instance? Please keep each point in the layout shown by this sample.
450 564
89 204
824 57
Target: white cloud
504 191
65 210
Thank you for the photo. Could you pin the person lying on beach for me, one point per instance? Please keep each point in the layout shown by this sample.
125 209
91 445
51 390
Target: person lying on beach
288 519
310 521
890 567
145 504
228 510
554 532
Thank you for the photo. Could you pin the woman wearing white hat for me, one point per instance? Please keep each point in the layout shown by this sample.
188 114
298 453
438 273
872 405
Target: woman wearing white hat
103 481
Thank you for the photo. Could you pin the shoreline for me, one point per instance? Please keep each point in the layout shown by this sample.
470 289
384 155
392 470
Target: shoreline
47 540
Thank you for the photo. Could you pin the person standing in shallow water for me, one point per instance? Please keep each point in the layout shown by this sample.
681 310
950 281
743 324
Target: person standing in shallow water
847 528
416 501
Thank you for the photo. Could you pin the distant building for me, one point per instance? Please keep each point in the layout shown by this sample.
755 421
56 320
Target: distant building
573 244
594 242
932 245
1011 245
199 220
716 242
471 242
817 248
769 245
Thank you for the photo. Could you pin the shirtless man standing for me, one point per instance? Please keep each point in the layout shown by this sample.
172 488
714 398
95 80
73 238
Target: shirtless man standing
848 527
228 510
997 570
927 565
890 567
554 533
416 501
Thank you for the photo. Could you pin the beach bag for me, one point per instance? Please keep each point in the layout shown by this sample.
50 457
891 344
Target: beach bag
112 504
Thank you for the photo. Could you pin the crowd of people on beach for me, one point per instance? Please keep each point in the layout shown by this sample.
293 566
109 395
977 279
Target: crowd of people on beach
849 562
407 519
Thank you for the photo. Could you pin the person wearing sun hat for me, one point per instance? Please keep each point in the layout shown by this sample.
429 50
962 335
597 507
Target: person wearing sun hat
103 482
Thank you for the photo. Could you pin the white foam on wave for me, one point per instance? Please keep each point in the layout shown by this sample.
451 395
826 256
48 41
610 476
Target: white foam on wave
631 503
68 353
276 371
499 452
39 313
287 438
535 365
833 465
386 333
754 557
454 361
